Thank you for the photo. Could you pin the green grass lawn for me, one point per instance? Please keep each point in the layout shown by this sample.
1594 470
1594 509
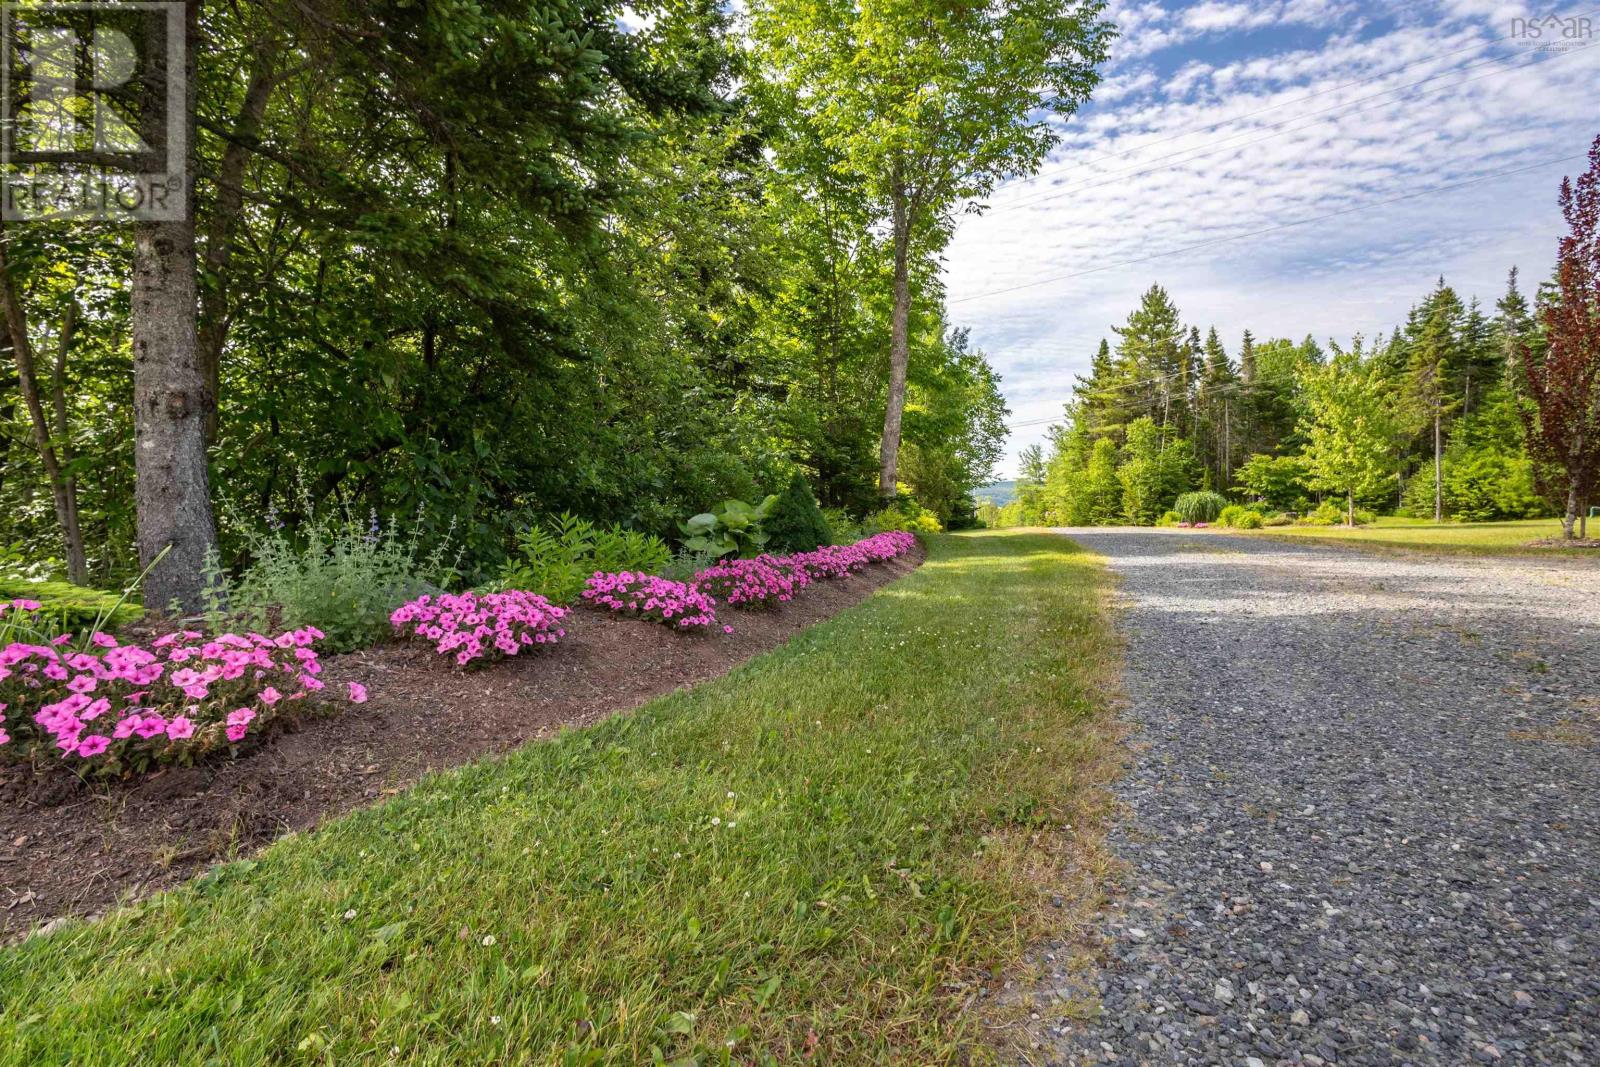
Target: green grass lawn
1490 538
821 852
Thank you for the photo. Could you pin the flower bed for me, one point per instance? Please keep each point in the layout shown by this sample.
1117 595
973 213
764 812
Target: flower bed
760 582
677 604
128 707
841 561
485 627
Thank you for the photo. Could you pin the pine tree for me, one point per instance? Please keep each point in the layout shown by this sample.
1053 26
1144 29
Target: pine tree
1150 354
1216 401
1513 327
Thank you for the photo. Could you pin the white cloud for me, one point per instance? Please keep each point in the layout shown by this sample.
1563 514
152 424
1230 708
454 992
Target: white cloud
1221 148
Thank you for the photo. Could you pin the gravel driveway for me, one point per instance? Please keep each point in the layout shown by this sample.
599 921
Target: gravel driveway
1363 816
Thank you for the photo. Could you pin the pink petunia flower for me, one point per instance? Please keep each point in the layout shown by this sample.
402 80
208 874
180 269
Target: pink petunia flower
358 693
180 728
93 745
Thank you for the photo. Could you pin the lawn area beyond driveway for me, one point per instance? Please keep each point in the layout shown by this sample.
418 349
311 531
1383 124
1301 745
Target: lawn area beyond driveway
819 856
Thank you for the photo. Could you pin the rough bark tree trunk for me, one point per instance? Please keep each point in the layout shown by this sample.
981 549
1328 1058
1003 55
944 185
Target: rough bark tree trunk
172 402
899 347
1569 521
1350 509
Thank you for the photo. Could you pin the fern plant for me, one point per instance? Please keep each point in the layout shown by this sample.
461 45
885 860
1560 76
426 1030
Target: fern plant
555 559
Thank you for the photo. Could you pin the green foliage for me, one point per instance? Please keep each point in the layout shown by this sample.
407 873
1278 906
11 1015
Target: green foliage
1230 515
1154 471
340 575
1275 481
1330 513
1248 520
71 608
1277 520
855 742
1351 424
1169 518
796 524
555 559
1203 506
732 526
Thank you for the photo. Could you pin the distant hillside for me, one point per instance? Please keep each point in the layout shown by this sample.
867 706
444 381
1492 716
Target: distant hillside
998 493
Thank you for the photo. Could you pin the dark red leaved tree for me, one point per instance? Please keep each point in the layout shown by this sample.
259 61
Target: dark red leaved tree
1564 420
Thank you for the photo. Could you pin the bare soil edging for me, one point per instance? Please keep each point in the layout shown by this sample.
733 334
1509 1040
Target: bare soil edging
68 848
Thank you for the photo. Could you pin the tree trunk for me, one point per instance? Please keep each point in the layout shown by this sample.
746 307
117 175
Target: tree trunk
62 490
1350 509
899 347
171 400
1569 521
1438 470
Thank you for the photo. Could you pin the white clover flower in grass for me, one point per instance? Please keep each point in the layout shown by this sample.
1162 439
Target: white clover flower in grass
351 914
488 939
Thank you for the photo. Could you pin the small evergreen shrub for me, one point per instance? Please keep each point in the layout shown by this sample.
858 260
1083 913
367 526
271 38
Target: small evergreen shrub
1169 518
1203 506
795 523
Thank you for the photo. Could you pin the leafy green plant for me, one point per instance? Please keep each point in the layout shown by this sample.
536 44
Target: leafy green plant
1169 518
340 575
796 523
1248 520
732 526
555 559
1277 520
1203 506
73 607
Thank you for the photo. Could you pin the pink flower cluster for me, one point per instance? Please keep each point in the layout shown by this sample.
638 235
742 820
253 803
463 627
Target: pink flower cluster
739 582
486 626
678 604
758 582
840 561
128 707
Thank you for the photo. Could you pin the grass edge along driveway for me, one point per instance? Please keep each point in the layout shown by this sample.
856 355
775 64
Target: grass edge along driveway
819 854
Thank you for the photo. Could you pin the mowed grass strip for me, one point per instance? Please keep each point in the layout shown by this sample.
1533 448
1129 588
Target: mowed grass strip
818 854
1484 538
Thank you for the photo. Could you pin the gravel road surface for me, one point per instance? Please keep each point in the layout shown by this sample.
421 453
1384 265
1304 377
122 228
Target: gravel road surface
1362 821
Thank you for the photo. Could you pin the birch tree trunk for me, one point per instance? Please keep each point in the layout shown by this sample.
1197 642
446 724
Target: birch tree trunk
899 347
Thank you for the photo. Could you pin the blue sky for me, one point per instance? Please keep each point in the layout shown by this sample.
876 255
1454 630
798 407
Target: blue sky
1223 117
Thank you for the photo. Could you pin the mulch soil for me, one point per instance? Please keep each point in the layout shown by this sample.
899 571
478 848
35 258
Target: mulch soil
73 848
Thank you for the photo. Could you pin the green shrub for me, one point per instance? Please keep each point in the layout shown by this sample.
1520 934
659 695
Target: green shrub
1277 520
916 519
555 560
1331 513
844 529
1229 516
796 524
71 608
339 575
1203 506
1249 520
731 526
1169 518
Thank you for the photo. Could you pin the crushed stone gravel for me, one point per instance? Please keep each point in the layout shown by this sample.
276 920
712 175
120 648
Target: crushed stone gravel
1362 818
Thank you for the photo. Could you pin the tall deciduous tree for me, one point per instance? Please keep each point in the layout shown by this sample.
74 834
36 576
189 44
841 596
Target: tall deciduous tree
931 104
1563 422
1349 426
